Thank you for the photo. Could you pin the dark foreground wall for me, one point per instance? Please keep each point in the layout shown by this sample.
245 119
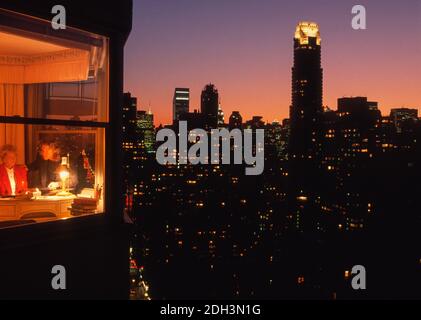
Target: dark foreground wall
94 249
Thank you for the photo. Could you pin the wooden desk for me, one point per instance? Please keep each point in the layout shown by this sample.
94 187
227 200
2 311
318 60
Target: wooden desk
11 209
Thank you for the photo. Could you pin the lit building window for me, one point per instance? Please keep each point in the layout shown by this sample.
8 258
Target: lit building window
54 96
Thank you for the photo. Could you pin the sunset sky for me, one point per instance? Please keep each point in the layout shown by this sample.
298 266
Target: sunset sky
245 47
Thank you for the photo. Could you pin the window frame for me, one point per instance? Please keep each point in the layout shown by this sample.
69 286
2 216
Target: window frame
11 20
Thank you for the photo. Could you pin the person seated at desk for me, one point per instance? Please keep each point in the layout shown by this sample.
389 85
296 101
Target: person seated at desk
43 172
13 178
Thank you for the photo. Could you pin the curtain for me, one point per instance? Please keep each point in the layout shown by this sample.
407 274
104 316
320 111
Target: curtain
63 66
15 72
34 101
12 104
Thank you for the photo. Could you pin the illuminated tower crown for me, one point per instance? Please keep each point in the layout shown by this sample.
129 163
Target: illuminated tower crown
306 30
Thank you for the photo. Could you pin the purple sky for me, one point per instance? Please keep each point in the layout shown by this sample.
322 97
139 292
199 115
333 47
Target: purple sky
244 47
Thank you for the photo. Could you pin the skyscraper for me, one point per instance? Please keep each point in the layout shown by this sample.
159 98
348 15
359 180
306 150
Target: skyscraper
349 157
210 106
129 120
305 140
235 120
221 119
129 143
145 131
307 91
181 102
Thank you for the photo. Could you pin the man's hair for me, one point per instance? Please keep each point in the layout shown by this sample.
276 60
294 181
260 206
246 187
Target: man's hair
42 143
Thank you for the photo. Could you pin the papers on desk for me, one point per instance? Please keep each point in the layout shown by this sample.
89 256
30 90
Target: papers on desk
85 203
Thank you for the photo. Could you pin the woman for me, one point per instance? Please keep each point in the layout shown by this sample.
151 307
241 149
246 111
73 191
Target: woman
13 179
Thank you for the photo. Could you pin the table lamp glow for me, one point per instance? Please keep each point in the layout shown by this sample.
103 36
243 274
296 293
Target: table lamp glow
64 176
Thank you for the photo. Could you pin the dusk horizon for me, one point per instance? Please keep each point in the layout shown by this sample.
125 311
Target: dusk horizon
250 65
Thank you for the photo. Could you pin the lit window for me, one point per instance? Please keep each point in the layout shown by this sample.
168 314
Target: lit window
53 115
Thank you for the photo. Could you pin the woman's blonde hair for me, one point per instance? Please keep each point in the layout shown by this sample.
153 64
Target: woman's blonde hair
5 149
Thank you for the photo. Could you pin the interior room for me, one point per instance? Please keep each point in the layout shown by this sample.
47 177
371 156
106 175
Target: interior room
53 115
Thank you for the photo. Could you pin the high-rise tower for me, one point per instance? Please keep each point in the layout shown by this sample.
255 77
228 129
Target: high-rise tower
235 120
145 131
129 120
181 102
306 129
307 92
209 106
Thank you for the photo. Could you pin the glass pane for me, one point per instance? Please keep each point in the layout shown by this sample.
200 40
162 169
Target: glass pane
44 76
50 172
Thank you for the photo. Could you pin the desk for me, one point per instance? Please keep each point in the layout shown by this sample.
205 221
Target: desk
11 209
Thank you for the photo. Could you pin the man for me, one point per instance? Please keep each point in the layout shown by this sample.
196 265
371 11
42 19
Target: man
43 171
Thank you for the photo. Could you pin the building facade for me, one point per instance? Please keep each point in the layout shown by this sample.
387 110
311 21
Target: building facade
91 244
181 102
210 106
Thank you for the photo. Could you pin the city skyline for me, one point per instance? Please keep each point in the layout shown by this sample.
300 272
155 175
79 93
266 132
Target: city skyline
140 157
328 197
269 96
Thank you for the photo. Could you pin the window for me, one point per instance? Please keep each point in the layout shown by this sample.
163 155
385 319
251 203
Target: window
53 118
